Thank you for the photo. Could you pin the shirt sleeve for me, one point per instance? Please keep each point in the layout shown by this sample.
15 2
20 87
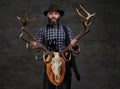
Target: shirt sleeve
40 36
70 32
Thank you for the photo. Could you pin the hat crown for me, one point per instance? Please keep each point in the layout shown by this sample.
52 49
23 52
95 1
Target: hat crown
53 7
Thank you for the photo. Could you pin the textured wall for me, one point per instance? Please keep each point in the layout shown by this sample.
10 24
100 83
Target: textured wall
98 61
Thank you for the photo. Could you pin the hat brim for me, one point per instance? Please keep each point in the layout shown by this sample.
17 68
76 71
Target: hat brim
61 12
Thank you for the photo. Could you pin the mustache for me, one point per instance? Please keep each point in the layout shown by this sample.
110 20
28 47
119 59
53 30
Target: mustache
53 18
50 20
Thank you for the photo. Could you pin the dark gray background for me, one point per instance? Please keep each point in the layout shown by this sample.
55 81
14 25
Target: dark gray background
98 61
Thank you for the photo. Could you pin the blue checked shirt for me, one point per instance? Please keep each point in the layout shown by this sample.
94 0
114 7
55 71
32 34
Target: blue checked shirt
54 39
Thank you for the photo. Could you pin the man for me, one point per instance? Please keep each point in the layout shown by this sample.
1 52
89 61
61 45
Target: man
55 36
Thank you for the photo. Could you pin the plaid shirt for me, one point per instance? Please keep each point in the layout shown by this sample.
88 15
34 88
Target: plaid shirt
54 39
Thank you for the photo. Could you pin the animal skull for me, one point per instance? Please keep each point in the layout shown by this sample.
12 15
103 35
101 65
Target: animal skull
56 65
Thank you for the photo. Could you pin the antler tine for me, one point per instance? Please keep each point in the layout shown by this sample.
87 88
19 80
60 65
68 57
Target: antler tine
21 36
26 13
80 14
84 10
38 57
89 15
24 20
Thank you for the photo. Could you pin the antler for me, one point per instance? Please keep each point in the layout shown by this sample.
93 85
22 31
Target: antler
89 16
86 23
25 21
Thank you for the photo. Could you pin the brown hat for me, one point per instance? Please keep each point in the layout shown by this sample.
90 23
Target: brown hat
53 7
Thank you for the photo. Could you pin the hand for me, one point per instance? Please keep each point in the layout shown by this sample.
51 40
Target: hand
74 42
33 43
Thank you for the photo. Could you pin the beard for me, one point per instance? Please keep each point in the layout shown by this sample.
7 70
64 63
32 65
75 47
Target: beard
53 21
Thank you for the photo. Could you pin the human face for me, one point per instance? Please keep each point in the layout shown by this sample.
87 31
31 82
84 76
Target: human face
53 16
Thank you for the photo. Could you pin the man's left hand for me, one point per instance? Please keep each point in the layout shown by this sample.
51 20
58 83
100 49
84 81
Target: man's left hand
73 42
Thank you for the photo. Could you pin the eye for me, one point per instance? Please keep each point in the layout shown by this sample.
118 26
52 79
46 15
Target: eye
50 13
56 13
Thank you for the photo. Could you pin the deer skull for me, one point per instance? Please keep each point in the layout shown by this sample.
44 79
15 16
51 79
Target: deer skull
56 65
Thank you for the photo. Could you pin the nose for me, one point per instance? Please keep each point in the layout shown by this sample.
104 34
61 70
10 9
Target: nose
53 15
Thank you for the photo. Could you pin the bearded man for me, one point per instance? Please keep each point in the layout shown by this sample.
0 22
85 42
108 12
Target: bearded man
55 37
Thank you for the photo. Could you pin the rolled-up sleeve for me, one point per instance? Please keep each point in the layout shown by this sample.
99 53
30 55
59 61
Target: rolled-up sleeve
71 36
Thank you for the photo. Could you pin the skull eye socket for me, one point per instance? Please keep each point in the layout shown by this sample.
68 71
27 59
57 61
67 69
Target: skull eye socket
46 56
59 62
53 56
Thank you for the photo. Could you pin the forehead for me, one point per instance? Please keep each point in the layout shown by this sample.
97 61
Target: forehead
53 12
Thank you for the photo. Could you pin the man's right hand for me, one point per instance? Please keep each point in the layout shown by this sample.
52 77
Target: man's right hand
33 44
